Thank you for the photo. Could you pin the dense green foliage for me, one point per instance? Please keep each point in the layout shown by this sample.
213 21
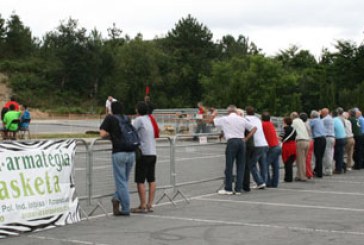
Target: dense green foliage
74 70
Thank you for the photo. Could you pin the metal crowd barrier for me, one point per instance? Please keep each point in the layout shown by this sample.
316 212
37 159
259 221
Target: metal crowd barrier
100 178
80 176
181 161
186 155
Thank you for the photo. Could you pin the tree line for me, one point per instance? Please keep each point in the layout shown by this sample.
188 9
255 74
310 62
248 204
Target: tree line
74 70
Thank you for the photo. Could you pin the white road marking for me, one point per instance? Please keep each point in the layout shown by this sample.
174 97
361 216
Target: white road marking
162 161
342 181
292 228
321 192
282 205
68 241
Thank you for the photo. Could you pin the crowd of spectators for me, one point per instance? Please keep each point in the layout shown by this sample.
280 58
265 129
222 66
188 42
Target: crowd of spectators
316 144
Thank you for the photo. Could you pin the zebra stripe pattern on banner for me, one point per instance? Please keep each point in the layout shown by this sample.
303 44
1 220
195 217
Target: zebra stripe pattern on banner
70 217
35 145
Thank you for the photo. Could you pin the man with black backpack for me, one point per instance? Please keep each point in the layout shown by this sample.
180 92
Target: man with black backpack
117 126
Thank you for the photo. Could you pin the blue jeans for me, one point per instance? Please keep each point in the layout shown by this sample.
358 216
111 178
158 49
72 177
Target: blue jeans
235 151
259 156
273 160
122 163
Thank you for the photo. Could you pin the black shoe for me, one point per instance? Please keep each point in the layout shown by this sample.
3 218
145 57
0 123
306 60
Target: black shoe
124 213
115 207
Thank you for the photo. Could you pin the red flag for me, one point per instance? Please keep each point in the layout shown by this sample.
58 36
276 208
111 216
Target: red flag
147 90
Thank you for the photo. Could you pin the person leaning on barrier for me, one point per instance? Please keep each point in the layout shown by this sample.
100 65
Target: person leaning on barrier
309 158
360 118
350 142
234 128
249 146
319 137
274 151
355 128
260 151
340 141
302 146
289 153
145 163
328 159
122 160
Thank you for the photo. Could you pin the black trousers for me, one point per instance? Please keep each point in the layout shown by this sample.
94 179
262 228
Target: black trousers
359 152
246 180
288 169
319 145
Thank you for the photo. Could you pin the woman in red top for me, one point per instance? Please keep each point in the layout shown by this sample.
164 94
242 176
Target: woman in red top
288 137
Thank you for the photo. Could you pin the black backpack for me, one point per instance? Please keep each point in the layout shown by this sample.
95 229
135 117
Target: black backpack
129 135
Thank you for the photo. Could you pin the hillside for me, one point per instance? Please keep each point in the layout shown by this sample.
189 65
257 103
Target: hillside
5 91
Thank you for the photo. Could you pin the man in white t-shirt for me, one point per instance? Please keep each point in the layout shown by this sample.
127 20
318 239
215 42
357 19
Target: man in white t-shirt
260 151
234 127
109 100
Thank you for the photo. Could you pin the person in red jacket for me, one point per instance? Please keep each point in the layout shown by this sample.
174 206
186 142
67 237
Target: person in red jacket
12 102
274 150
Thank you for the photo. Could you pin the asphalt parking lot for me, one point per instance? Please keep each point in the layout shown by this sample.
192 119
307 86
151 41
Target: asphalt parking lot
321 211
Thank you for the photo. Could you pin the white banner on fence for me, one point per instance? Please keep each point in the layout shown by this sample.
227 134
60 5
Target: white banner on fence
36 186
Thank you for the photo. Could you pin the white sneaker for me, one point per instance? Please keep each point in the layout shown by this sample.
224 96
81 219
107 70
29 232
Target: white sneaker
261 186
224 192
237 193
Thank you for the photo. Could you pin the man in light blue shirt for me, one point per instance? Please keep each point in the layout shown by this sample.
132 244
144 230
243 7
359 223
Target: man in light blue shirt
340 137
361 122
319 137
359 140
317 125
